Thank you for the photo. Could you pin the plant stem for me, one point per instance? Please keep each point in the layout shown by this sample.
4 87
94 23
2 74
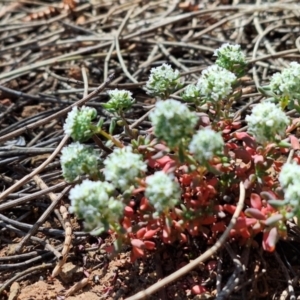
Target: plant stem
111 138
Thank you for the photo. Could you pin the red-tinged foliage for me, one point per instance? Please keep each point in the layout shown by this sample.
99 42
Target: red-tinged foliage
243 223
150 234
183 238
269 239
136 253
255 201
145 204
211 265
141 233
149 245
162 163
246 138
208 220
186 179
198 289
218 227
137 243
231 209
126 223
294 142
202 210
128 211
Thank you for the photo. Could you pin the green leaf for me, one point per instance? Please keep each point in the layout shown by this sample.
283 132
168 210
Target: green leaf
112 126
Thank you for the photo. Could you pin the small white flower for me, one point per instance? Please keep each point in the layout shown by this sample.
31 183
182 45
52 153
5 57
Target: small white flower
287 83
205 144
162 191
229 55
289 179
117 94
92 202
173 122
216 83
123 166
267 122
290 174
78 123
163 81
190 93
77 159
292 195
120 100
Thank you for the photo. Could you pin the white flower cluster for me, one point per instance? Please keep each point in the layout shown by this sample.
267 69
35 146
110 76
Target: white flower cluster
191 93
173 122
120 100
205 144
78 123
123 166
93 202
289 179
267 122
229 55
78 159
216 83
163 81
287 83
162 191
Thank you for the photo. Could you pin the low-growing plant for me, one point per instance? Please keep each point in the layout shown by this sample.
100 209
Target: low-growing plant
181 179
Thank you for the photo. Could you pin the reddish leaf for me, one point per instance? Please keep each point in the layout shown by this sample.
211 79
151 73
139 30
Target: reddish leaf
226 130
136 253
258 158
128 211
186 179
163 161
144 205
211 265
249 141
243 222
149 245
166 232
255 201
270 239
183 238
245 233
126 222
232 145
137 243
141 232
208 220
218 227
198 289
294 142
231 209
236 125
242 154
150 233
